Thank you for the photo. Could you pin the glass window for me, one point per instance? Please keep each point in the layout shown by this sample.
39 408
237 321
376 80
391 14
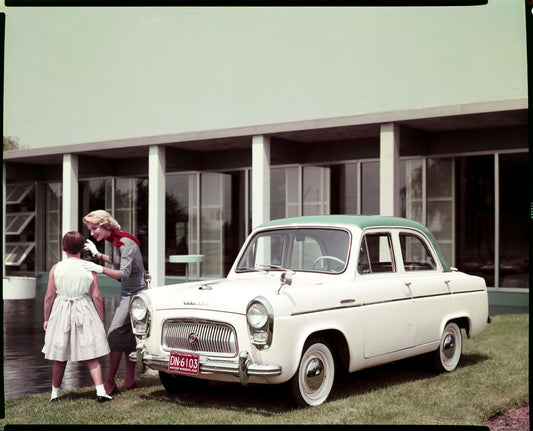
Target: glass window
306 253
514 221
440 204
265 251
370 188
16 222
94 195
416 256
343 191
17 252
411 185
437 210
126 199
325 190
222 224
322 250
475 216
181 221
53 220
316 187
15 193
19 225
284 192
375 254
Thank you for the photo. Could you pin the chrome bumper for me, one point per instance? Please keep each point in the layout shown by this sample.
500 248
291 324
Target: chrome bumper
243 368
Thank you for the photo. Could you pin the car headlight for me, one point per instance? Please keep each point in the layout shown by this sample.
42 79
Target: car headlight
260 318
138 308
140 315
257 315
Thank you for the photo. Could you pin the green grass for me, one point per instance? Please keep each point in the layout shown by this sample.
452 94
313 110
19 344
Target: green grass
492 376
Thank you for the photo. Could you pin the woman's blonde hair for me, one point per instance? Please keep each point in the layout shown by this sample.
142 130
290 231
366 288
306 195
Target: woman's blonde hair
103 219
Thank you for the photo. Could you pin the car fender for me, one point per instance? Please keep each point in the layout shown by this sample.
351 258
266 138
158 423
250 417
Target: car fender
290 336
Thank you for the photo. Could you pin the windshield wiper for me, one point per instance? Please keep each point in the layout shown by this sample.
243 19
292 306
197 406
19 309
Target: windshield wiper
249 268
276 267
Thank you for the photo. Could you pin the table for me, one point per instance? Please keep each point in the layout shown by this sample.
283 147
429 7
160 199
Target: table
186 258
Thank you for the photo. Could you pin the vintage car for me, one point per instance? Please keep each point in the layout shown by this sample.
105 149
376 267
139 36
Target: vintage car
307 297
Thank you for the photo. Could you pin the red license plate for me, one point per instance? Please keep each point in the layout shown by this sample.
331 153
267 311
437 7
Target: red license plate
184 363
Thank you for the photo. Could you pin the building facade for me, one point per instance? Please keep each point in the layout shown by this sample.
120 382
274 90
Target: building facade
461 170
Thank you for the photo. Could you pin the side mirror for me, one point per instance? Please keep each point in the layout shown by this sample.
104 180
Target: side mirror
285 279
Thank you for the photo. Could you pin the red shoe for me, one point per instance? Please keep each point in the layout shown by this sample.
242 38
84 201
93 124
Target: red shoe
113 389
132 386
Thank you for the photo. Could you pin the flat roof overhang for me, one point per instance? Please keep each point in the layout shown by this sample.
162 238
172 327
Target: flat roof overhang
479 115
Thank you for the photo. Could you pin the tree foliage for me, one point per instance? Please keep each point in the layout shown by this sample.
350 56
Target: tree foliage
11 143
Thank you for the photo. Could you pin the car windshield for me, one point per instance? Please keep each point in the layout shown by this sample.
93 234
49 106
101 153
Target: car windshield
309 249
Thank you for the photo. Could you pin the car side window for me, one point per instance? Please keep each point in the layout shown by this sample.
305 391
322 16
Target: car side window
375 254
415 253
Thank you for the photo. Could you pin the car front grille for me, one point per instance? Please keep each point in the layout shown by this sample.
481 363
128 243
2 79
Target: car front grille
200 336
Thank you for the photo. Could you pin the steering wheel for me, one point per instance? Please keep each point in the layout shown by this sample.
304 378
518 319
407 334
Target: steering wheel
336 259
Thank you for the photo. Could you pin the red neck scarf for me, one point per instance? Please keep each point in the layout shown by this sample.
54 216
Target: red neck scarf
117 234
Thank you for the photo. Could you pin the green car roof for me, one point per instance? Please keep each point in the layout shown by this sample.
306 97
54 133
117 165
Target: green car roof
363 222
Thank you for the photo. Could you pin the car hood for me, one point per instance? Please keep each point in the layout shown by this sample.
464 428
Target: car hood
225 295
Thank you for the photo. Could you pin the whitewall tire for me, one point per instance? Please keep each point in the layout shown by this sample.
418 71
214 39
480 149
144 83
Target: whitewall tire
448 354
312 383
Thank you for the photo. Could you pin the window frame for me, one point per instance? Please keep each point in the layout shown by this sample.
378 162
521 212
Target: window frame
427 246
381 233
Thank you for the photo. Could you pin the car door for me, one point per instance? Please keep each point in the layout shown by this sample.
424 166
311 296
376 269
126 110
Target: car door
429 286
386 299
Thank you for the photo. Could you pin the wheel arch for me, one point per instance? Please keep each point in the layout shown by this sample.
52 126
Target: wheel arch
338 344
463 322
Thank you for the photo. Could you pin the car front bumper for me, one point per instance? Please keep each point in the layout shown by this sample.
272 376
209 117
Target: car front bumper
243 367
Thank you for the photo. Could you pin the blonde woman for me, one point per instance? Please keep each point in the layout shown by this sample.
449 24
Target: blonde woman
128 268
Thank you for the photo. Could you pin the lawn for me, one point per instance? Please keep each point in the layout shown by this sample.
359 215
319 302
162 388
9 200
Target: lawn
493 375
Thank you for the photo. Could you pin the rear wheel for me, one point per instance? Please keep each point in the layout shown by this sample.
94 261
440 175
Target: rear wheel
312 383
448 354
174 383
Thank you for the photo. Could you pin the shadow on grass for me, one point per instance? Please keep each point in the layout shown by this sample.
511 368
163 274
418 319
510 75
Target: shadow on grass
270 400
264 400
394 373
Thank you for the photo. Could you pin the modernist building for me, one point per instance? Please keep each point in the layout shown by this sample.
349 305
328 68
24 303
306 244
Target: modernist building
460 168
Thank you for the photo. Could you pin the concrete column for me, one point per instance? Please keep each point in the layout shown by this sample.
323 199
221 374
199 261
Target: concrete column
4 194
260 180
389 170
156 215
70 193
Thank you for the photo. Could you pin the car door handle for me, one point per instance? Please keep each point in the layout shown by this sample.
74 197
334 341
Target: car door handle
347 301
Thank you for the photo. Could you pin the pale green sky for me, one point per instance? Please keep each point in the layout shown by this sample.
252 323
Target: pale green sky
75 75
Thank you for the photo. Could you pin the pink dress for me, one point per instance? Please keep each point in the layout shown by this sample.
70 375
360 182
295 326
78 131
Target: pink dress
75 331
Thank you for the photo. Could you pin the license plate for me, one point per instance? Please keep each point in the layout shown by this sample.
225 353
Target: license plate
184 362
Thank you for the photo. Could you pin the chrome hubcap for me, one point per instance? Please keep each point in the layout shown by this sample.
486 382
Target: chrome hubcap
448 346
314 374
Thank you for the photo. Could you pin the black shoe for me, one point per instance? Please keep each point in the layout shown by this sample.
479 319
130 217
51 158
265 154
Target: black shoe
103 398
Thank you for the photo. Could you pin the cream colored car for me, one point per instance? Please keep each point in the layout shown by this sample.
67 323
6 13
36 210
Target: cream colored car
306 297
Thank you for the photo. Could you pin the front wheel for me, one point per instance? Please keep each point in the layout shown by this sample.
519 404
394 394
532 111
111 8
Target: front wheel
312 383
449 352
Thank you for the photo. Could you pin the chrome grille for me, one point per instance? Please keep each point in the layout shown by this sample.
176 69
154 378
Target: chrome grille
203 337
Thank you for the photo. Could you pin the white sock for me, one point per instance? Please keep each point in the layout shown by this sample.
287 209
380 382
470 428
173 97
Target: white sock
55 392
100 391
